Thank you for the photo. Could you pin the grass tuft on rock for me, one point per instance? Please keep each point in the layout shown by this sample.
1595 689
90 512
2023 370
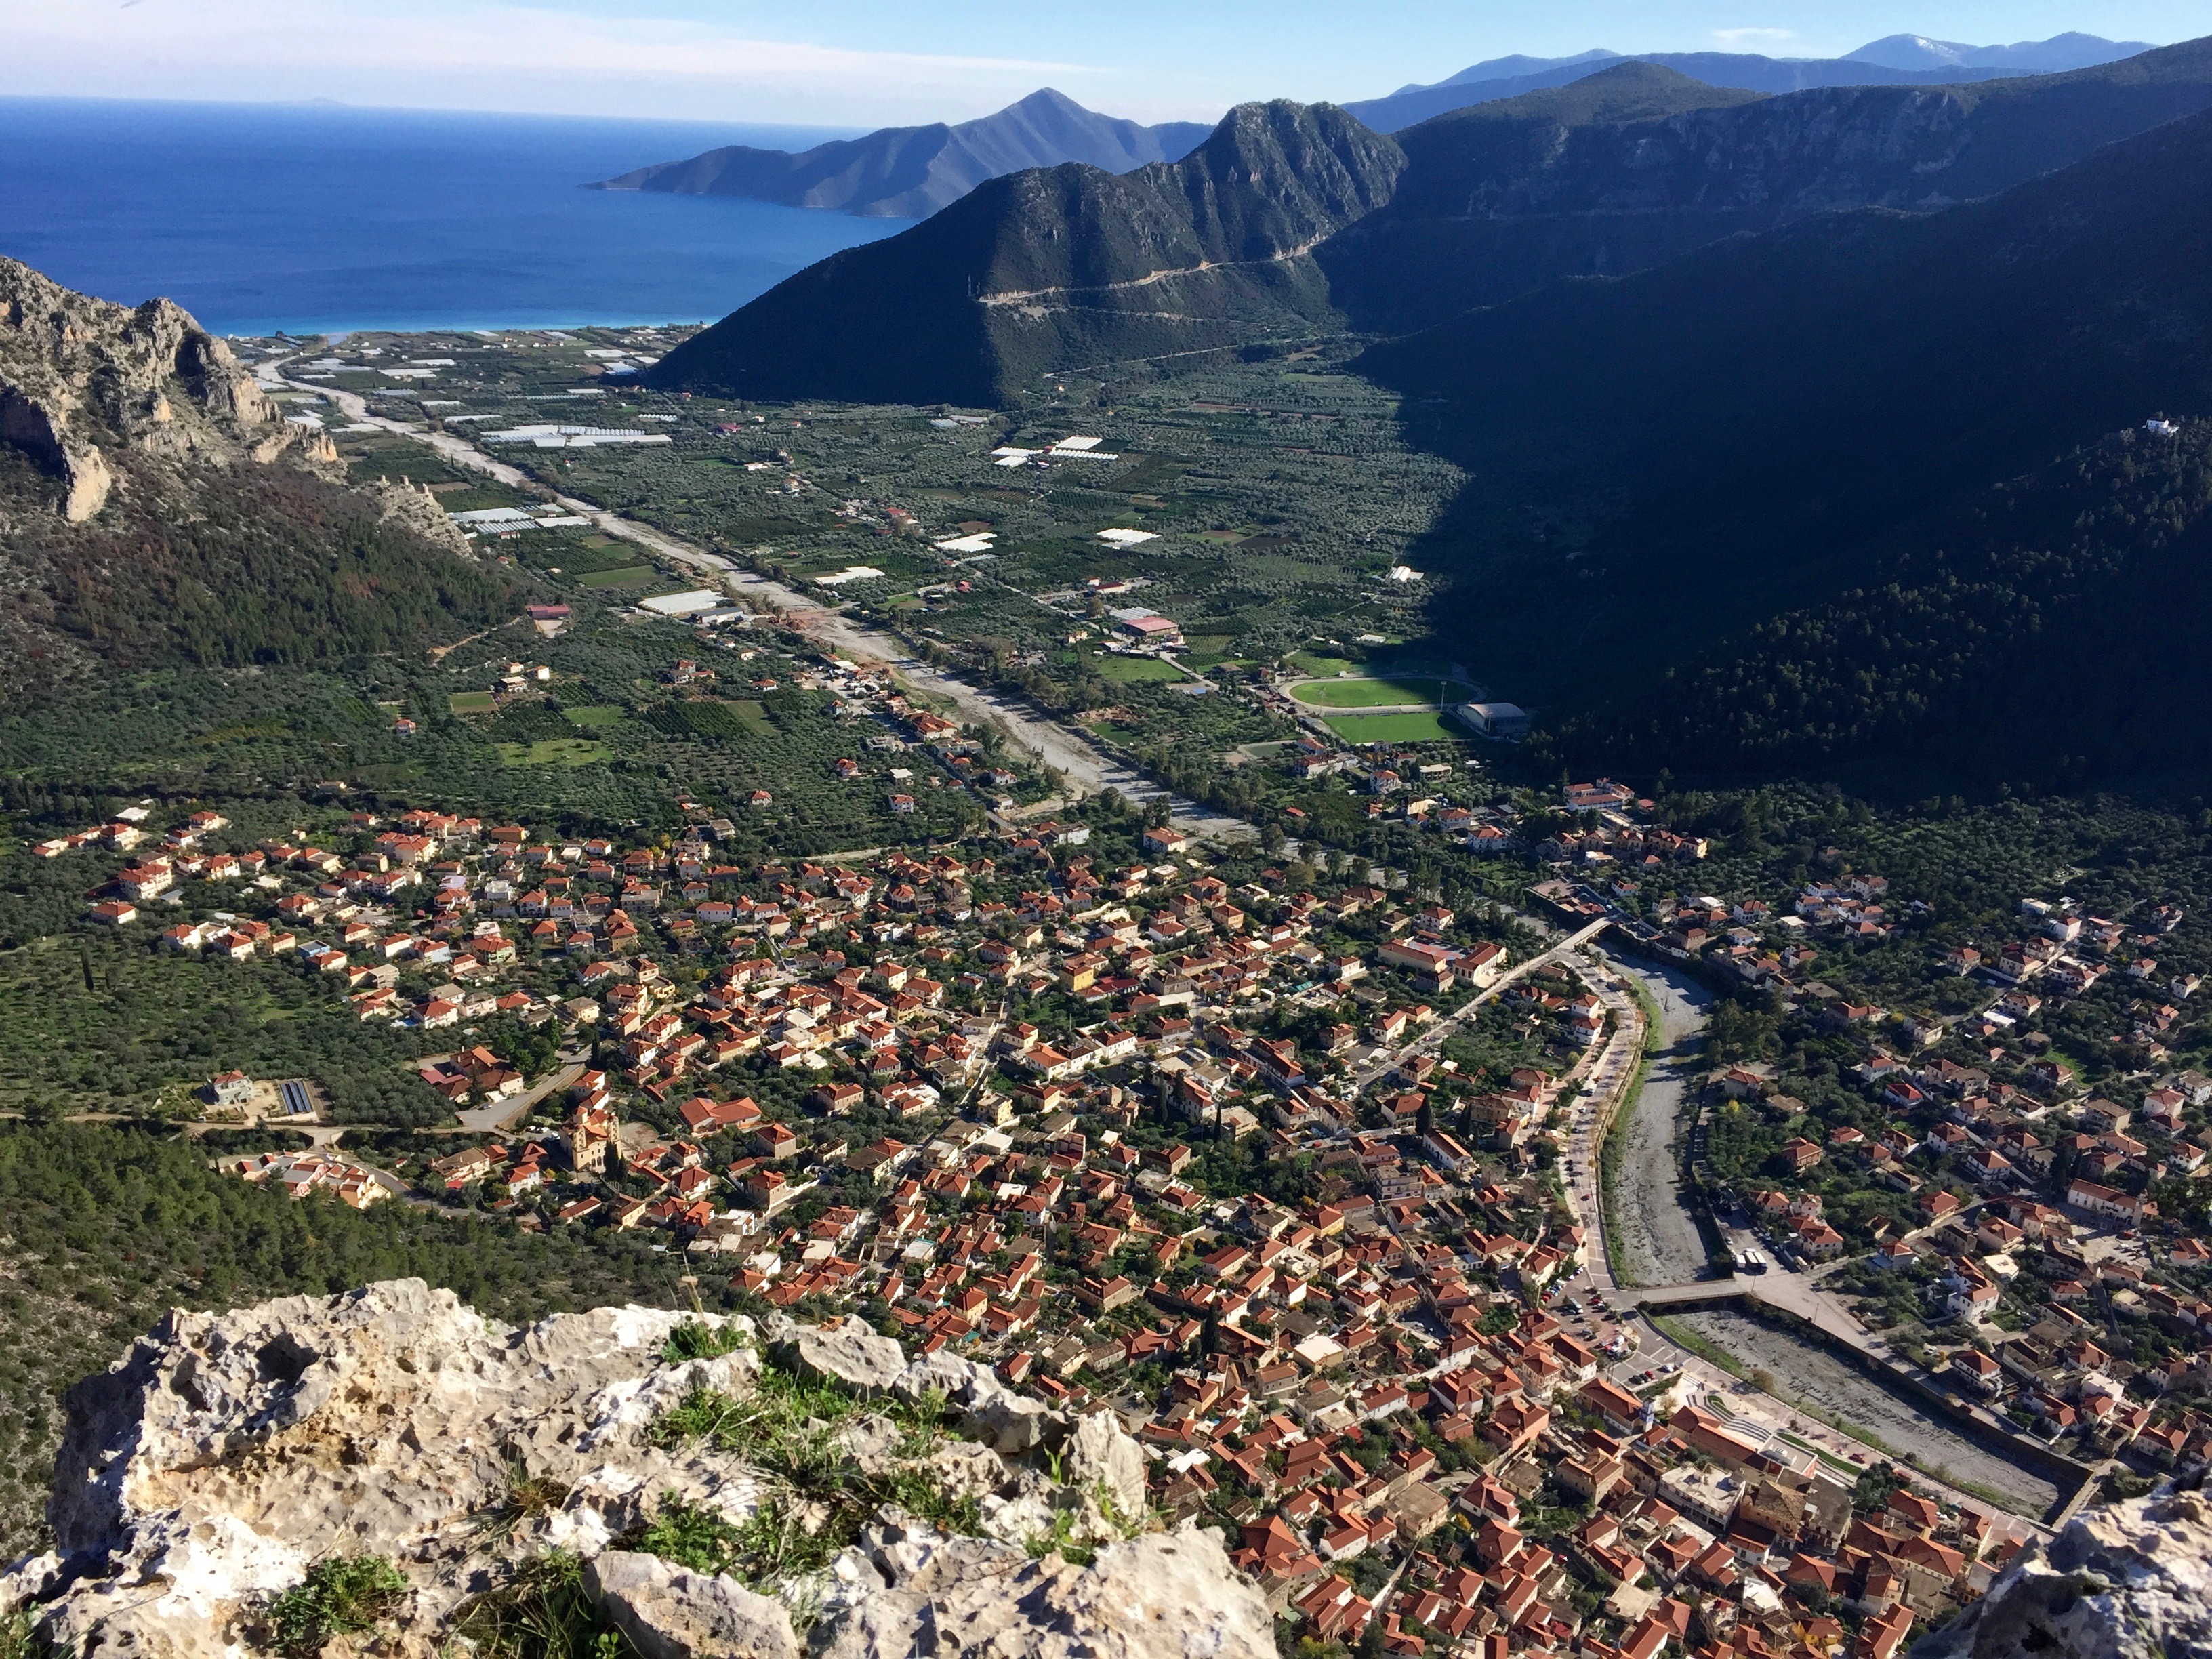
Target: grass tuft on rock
342 1596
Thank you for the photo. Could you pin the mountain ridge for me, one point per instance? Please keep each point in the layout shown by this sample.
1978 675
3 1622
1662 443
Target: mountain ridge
1036 270
1043 272
900 173
1741 71
2071 50
1729 437
1625 168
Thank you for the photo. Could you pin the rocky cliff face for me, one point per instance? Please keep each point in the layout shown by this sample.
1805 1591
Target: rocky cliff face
80 376
155 507
2132 1582
458 1464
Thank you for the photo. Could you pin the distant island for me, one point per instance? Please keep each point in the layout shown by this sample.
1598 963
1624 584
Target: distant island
908 172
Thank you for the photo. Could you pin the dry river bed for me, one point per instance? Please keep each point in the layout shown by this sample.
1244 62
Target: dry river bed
1660 1245
1658 1236
1820 1380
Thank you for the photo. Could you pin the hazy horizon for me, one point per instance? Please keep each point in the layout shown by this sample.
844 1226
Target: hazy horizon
866 64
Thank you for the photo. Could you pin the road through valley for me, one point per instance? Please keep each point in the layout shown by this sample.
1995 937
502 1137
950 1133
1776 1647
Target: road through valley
1087 768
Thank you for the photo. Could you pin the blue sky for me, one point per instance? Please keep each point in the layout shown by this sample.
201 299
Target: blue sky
868 62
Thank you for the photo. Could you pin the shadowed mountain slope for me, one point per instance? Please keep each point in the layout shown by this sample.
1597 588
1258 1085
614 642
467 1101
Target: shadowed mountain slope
1290 221
1669 459
1636 165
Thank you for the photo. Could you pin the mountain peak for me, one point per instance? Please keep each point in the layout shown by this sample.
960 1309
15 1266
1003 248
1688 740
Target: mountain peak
1910 52
1062 265
2070 51
1042 98
900 173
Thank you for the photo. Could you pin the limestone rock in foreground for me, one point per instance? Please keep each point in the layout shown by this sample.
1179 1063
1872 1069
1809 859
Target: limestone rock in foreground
2130 1581
1100 1452
668 1612
228 1453
908 1589
852 1354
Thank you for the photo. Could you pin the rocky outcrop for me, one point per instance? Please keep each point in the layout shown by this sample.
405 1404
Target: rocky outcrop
851 1353
910 1589
227 1454
81 380
2131 1581
401 503
668 1613
1101 1455
227 1451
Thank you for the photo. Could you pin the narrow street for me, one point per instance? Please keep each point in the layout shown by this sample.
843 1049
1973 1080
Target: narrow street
501 1114
1436 1035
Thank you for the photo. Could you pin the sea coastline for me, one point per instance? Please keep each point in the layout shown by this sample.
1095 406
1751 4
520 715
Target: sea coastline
322 219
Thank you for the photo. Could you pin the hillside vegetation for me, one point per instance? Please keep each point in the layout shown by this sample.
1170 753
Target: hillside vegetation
271 565
1045 270
2015 640
1731 437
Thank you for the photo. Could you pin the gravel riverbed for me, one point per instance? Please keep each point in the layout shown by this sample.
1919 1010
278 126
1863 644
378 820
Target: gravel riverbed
1658 1237
1817 1378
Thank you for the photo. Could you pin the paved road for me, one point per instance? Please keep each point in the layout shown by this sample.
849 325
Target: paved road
501 1114
1444 1028
1086 767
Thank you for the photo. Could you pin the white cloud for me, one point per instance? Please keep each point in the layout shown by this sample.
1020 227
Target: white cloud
1738 39
488 55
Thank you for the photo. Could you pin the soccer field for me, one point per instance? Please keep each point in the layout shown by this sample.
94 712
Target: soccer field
1422 725
1369 694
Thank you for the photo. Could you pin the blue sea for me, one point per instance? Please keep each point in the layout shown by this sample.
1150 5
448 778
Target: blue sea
318 219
